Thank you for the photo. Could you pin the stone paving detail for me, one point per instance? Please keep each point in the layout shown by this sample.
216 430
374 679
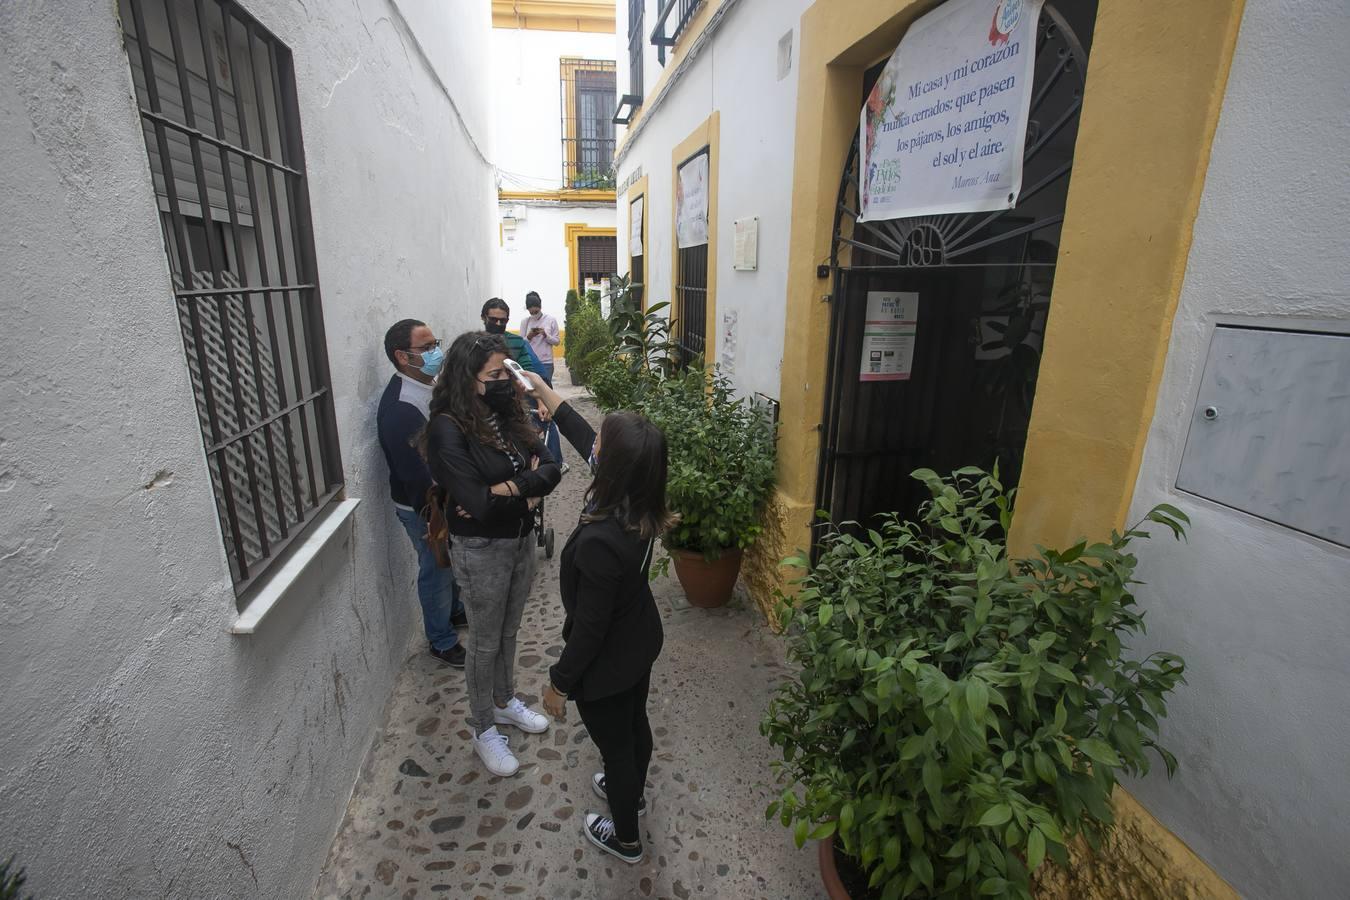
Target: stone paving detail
426 819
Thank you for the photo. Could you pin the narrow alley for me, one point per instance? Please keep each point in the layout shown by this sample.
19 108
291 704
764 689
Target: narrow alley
427 820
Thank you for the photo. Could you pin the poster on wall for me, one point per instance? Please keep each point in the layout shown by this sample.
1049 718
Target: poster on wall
635 227
691 203
727 342
944 128
889 335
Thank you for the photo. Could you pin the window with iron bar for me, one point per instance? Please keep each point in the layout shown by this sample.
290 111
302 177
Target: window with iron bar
636 45
691 293
588 129
218 106
672 18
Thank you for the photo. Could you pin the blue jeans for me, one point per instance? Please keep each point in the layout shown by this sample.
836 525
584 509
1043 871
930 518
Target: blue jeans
551 440
436 587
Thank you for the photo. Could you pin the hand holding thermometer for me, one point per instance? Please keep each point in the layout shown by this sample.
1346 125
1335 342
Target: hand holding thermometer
514 368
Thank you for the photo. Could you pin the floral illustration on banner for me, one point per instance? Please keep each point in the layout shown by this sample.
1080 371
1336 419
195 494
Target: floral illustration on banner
879 103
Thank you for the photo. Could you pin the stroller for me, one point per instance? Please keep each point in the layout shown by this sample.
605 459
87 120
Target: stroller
543 535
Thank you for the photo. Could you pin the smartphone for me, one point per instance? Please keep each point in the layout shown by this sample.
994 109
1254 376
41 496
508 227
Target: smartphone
514 368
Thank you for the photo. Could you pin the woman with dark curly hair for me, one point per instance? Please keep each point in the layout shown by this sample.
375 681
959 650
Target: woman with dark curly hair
484 453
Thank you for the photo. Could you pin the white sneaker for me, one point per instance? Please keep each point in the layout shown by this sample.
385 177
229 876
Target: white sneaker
521 716
492 750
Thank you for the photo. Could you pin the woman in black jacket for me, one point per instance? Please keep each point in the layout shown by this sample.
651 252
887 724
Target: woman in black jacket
613 630
485 455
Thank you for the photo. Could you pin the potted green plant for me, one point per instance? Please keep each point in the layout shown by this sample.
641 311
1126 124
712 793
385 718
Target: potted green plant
721 472
960 715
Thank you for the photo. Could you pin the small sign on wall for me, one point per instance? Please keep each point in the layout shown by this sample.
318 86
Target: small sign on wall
888 336
746 255
727 342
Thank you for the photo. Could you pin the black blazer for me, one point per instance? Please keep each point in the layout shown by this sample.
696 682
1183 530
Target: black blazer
613 630
467 469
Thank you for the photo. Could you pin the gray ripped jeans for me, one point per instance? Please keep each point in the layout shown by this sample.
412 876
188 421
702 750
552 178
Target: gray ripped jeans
494 576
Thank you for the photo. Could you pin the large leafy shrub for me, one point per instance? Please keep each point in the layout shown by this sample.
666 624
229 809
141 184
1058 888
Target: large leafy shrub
960 715
588 340
721 461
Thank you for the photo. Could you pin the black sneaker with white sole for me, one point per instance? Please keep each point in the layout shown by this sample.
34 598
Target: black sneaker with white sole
598 785
600 832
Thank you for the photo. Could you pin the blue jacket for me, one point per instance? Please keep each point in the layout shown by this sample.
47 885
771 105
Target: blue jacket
400 421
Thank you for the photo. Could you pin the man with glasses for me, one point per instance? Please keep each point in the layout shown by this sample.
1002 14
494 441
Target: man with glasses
496 316
417 355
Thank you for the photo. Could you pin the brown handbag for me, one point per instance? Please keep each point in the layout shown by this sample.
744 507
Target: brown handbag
438 529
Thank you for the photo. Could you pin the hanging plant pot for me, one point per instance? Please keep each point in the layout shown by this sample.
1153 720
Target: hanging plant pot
707 585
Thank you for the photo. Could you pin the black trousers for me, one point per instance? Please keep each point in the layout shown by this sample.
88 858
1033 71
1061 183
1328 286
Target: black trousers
618 726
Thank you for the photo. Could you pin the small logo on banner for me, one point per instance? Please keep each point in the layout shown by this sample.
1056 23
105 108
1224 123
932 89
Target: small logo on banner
1006 17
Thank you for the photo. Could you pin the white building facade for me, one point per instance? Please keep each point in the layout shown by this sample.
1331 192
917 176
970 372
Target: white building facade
553 98
1197 353
732 88
205 596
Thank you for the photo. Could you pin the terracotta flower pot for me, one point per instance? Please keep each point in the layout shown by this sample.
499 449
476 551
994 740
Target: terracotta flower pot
707 584
829 873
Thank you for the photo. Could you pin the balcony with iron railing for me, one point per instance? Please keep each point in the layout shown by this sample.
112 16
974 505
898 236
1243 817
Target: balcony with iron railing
671 22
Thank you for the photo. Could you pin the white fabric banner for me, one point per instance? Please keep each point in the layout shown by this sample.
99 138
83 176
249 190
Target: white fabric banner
635 227
691 203
944 128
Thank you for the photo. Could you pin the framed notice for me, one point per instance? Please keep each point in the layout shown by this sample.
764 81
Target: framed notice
889 335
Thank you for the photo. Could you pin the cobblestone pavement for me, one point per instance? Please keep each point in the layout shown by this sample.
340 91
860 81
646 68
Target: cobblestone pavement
427 820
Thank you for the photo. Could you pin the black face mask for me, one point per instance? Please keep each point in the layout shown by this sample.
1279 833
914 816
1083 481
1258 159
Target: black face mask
494 327
500 396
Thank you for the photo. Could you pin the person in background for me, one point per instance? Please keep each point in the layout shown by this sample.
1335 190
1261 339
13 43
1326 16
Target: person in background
416 354
496 316
485 454
612 630
541 331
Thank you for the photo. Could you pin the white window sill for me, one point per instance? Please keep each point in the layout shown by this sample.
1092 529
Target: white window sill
275 587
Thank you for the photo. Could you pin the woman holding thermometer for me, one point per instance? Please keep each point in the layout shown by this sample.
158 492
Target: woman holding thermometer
483 451
613 630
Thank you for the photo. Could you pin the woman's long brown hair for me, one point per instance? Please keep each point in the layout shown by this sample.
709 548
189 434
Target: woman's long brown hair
456 393
630 476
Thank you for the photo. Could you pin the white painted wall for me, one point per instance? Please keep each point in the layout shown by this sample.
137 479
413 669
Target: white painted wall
735 74
534 257
146 751
1261 614
527 124
527 101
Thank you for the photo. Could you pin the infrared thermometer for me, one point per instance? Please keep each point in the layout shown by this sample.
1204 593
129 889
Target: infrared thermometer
514 368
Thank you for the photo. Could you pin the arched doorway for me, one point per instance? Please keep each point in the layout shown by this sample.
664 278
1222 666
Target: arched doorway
984 284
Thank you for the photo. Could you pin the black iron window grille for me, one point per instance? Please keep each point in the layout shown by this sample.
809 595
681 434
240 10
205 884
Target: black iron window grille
637 263
588 127
692 290
218 106
676 13
635 47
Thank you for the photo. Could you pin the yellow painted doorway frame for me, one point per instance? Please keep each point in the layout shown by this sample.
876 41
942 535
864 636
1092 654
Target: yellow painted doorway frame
1149 114
572 231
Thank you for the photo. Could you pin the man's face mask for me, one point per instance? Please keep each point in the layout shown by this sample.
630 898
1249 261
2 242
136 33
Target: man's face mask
432 360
